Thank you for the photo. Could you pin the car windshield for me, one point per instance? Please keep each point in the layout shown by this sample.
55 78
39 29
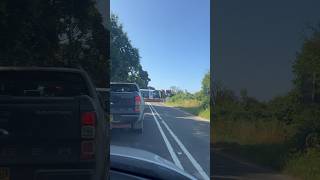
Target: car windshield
170 114
41 83
156 94
145 93
124 88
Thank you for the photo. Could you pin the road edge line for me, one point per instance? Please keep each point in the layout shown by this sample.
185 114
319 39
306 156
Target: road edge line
184 149
169 146
199 118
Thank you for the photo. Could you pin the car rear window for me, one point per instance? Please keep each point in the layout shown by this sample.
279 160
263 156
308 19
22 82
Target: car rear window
42 83
145 94
156 94
124 88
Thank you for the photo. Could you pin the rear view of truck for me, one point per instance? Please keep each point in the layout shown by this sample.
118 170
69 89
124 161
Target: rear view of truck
50 125
126 106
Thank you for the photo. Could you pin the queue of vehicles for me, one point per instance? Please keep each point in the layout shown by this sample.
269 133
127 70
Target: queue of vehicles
54 124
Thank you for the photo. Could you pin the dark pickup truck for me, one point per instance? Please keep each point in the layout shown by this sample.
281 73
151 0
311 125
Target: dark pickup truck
126 106
52 125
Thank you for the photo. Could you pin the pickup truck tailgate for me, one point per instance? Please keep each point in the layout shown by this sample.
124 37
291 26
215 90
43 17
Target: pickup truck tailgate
39 130
122 102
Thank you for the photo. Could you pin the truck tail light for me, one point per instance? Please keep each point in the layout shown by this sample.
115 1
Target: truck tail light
137 100
87 150
88 132
88 118
88 125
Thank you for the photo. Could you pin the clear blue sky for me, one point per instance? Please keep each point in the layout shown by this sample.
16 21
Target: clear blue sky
173 37
255 43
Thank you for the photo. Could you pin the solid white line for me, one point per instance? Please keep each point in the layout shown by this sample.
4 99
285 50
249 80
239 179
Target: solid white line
184 149
171 151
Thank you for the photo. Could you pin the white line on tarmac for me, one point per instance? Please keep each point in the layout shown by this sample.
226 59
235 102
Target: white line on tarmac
170 149
184 149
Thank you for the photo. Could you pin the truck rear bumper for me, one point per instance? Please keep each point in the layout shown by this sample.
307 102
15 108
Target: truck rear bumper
48 172
124 118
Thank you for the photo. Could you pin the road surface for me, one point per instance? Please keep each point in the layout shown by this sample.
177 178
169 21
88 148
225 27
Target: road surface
184 139
174 135
226 167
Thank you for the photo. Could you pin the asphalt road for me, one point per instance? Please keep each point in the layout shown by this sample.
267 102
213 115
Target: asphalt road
185 140
174 135
226 167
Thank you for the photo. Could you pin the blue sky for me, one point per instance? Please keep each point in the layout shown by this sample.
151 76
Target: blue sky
255 43
173 37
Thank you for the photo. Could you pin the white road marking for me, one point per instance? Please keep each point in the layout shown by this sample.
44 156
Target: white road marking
170 149
184 149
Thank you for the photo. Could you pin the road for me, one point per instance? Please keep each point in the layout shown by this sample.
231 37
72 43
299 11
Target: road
174 135
226 167
185 140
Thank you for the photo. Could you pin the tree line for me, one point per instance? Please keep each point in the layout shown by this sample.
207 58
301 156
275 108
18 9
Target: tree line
299 108
59 33
125 59
68 33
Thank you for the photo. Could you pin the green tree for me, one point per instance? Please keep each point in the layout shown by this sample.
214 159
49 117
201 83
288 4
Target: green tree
206 84
63 33
125 59
306 68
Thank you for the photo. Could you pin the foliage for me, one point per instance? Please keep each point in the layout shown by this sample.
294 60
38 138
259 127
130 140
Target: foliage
61 33
304 164
307 68
197 103
289 122
125 59
205 88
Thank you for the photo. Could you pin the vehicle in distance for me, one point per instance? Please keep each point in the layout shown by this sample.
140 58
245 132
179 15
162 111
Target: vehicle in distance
147 94
157 96
126 106
52 125
151 95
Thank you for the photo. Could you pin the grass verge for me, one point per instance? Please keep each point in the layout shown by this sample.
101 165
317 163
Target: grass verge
192 106
266 143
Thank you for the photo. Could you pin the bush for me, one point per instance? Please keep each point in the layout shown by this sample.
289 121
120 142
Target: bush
304 164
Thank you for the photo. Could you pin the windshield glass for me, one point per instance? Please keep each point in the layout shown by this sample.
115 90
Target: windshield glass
145 93
52 84
124 88
170 117
156 94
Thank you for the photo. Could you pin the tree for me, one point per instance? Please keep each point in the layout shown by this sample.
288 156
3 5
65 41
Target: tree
125 59
306 69
175 90
63 33
206 84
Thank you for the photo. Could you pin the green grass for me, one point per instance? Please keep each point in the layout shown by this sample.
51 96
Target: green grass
250 132
192 106
304 165
266 143
205 113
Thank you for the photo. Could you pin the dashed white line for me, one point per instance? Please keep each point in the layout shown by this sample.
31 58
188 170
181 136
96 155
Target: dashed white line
183 148
170 149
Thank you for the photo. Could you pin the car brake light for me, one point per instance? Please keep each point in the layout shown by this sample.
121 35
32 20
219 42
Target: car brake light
137 100
87 150
88 122
88 128
88 118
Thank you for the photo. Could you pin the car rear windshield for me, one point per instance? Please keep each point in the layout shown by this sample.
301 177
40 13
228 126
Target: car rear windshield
42 83
145 94
124 88
156 94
